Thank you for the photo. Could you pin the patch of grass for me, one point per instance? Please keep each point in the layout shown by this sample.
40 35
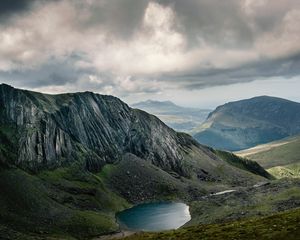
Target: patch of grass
287 171
269 199
94 223
107 170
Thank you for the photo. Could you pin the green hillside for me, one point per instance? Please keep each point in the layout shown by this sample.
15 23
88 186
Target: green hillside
247 123
281 158
278 226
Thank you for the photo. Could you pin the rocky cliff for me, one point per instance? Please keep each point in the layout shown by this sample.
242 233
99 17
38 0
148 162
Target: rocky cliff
41 131
53 130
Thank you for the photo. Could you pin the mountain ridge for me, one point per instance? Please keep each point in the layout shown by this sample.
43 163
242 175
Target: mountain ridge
246 123
54 130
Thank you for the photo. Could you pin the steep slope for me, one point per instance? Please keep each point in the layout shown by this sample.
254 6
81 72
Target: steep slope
40 131
247 123
179 118
82 157
281 158
59 203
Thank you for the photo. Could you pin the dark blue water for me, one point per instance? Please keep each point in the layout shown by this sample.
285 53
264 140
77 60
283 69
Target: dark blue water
154 216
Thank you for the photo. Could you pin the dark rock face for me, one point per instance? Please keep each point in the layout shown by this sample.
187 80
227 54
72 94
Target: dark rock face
41 131
54 130
247 123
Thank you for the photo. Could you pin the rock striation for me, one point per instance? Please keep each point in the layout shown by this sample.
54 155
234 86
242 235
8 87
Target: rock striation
41 131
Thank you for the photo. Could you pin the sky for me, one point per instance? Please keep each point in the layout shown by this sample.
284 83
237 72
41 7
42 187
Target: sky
199 53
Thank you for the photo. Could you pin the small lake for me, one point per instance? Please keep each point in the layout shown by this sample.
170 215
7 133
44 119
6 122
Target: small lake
154 216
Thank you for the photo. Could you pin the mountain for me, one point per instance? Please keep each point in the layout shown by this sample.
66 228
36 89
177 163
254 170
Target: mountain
247 123
281 158
69 162
179 118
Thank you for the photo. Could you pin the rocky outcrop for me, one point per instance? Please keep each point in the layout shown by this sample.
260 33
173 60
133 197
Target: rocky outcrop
56 129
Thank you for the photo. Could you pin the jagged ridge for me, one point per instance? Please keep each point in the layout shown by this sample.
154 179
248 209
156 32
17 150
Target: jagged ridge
53 130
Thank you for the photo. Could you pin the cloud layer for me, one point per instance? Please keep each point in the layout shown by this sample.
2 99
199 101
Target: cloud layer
139 46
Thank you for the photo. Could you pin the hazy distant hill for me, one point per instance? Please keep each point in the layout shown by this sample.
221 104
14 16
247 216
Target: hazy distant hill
281 158
247 123
177 117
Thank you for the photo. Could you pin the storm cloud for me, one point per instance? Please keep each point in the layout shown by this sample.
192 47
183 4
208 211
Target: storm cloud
139 46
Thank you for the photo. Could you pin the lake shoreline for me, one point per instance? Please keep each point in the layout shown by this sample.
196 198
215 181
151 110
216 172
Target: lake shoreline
156 216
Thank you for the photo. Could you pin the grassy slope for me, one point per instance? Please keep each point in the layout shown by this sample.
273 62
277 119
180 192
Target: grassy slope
287 171
243 163
78 204
139 181
277 196
152 183
72 204
281 158
279 226
220 211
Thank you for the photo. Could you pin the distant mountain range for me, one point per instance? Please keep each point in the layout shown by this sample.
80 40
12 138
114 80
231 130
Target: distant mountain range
247 123
179 118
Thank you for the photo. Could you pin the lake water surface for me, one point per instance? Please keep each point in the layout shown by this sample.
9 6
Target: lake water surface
155 216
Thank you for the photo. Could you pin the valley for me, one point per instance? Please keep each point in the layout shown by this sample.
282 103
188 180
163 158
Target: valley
179 118
71 162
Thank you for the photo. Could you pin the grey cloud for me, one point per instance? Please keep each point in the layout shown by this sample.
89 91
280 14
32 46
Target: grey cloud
268 15
264 69
63 74
56 72
120 18
12 8
219 26
217 22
